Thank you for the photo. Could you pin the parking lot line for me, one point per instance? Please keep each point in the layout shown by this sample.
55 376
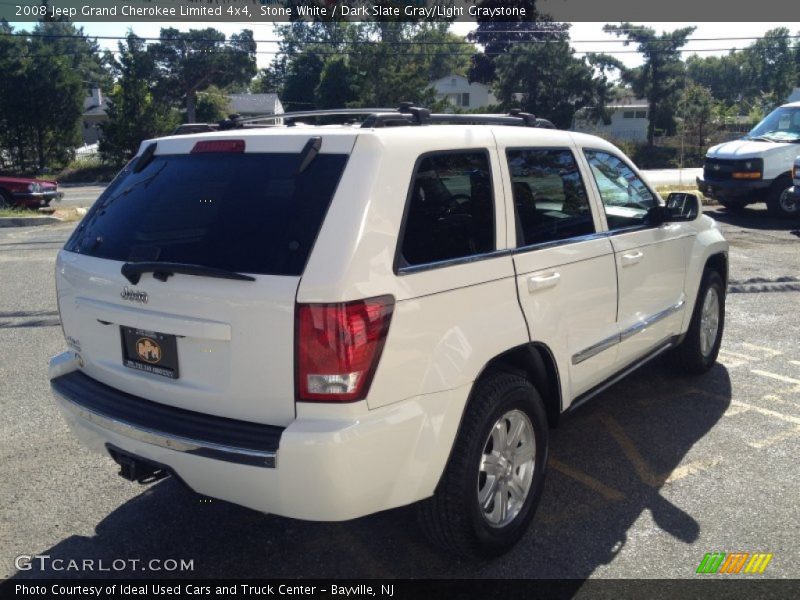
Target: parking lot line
691 468
772 440
767 412
593 484
769 351
776 376
631 452
738 354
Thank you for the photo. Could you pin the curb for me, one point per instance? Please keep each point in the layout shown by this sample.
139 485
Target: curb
27 221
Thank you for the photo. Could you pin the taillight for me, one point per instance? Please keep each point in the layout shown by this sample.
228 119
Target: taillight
338 347
796 172
236 146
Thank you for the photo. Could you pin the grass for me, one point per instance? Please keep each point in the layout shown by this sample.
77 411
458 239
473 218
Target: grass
66 215
92 170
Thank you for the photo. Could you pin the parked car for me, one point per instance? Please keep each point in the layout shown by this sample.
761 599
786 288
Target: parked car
327 322
24 192
758 167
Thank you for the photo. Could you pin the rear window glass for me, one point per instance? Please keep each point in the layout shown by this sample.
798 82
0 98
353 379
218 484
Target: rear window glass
240 212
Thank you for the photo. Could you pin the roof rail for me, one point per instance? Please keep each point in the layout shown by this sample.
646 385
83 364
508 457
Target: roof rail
405 114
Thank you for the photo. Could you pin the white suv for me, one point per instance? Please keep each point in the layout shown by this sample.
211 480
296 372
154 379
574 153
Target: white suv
323 322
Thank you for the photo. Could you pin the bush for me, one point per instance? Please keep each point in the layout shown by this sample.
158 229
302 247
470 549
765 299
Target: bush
87 170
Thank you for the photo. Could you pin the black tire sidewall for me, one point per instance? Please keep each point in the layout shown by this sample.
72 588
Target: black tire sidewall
774 207
710 278
493 540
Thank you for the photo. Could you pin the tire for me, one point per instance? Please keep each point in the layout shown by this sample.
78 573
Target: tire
5 199
778 202
733 206
453 518
699 349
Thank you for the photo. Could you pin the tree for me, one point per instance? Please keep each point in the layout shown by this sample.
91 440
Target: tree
696 110
548 81
213 105
135 113
660 78
499 37
41 98
769 65
188 62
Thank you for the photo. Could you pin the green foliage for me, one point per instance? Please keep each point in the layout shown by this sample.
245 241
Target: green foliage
188 62
696 109
41 96
527 79
213 105
661 77
332 65
135 113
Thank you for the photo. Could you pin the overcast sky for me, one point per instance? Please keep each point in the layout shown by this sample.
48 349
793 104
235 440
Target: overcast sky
596 39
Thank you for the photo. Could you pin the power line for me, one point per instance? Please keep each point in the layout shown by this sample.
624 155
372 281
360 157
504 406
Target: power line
390 42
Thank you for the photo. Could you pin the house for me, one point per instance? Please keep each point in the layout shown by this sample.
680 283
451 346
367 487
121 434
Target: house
249 105
794 96
94 114
629 120
459 92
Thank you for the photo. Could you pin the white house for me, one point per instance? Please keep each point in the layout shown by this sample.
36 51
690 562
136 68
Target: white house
459 92
94 115
629 121
794 96
255 104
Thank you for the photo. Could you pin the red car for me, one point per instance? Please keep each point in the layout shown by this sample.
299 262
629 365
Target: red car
24 192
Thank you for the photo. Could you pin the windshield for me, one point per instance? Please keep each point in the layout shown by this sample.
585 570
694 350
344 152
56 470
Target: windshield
248 212
781 125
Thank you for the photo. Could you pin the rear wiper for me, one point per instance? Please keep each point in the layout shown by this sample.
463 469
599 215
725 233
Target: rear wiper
308 154
763 138
132 271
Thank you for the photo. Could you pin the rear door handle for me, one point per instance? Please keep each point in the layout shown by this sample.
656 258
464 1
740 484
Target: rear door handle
631 258
540 282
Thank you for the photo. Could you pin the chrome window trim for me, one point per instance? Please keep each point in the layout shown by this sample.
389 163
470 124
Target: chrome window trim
627 333
242 456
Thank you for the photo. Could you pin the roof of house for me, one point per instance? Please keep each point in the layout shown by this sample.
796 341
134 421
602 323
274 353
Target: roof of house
255 104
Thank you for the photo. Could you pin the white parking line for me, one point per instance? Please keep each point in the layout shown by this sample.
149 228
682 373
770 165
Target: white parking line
769 351
775 438
776 376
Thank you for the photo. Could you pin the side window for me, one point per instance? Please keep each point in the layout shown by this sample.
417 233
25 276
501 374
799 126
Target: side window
451 208
549 196
625 196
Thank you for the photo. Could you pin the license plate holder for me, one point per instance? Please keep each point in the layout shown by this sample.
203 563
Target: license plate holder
150 351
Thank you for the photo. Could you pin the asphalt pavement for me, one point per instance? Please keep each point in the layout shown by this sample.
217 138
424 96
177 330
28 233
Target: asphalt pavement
643 481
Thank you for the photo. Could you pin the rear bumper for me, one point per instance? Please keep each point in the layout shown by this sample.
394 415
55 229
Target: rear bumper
338 465
734 189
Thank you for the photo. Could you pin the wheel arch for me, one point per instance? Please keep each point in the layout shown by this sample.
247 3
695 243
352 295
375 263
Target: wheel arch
535 362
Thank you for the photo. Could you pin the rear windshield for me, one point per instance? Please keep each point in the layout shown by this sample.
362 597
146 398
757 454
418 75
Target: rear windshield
240 212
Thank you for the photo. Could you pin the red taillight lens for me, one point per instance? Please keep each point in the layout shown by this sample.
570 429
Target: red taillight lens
218 146
338 348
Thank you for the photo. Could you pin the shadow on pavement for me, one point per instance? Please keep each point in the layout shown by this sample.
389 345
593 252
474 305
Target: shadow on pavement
609 463
753 217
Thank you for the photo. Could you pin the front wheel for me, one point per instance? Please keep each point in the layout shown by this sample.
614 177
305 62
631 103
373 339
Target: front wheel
779 201
493 481
699 349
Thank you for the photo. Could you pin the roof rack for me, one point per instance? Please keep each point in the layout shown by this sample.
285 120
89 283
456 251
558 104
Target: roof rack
404 115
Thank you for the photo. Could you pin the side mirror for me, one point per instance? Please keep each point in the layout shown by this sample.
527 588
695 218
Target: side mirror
681 206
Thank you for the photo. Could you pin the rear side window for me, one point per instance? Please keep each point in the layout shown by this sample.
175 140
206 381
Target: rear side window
549 196
450 212
240 212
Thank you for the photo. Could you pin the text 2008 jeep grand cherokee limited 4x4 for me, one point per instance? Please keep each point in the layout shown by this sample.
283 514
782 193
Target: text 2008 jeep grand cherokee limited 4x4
323 322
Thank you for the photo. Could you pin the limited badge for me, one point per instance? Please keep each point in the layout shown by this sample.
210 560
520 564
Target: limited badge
148 350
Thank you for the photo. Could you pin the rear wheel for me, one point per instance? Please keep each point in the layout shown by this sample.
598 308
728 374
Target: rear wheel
493 481
779 201
699 349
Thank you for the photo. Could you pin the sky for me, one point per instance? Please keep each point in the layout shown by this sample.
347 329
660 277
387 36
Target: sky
586 37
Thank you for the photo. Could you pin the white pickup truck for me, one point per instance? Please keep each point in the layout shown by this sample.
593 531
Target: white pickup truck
758 167
324 322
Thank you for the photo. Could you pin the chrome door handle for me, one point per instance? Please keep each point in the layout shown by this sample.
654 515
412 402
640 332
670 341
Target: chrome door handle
540 282
631 258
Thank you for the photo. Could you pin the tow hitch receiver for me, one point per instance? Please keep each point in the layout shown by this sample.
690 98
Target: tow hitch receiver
134 468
